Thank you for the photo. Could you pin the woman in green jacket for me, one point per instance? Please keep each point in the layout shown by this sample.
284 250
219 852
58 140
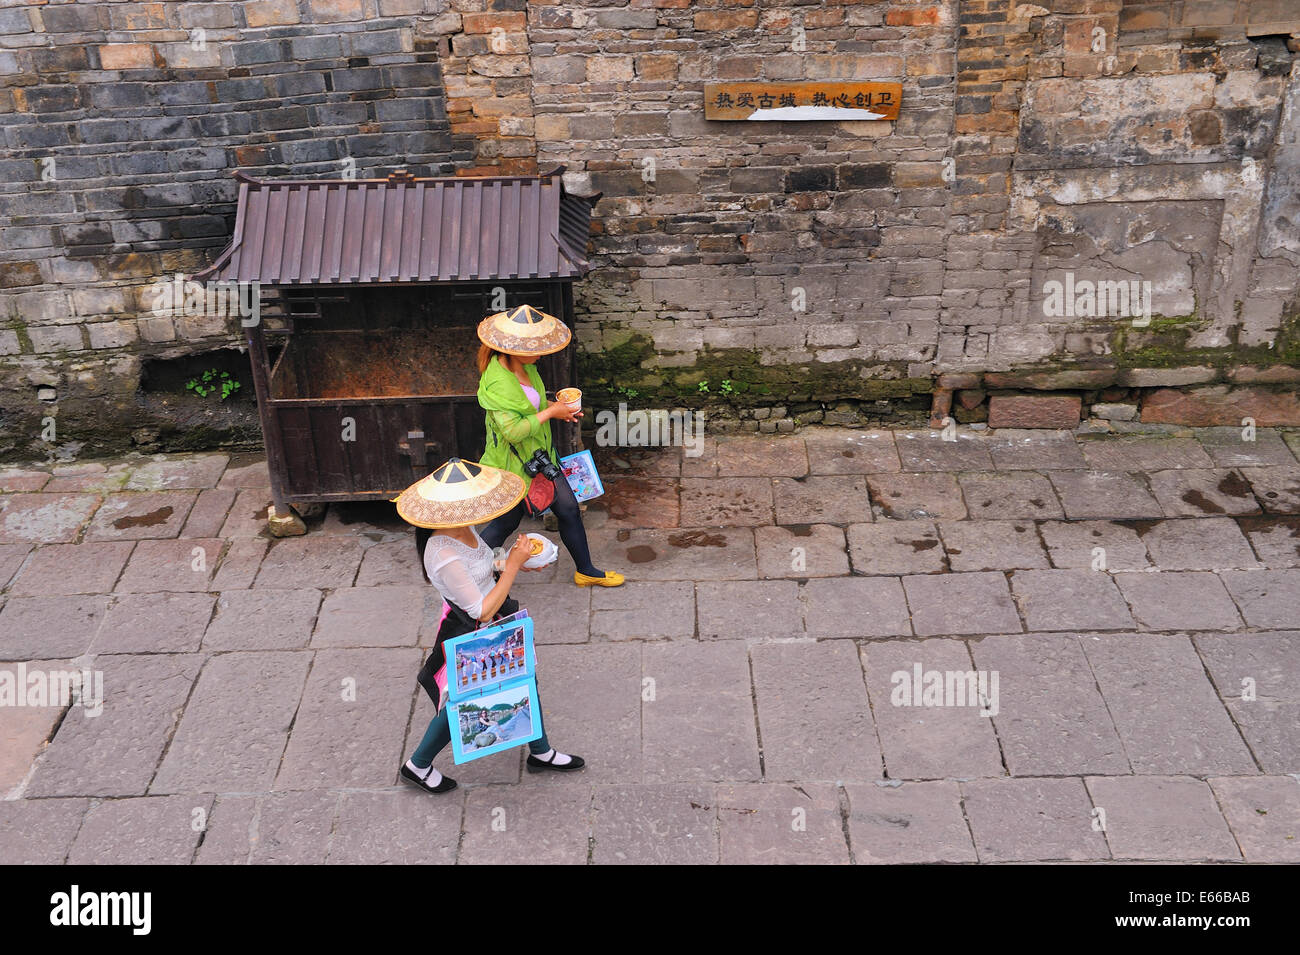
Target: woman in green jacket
518 424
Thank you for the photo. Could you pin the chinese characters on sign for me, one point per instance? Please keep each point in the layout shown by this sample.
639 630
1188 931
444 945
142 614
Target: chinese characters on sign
802 101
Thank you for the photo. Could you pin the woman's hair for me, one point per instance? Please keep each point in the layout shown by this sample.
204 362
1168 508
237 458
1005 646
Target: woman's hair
422 535
485 355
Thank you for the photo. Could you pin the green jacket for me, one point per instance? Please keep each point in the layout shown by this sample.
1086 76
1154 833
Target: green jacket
511 419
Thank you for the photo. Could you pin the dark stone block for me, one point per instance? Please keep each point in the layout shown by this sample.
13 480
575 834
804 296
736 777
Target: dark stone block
309 151
50 200
39 137
72 18
1203 60
674 180
1274 58
833 238
810 179
183 94
30 237
1249 131
193 160
873 176
410 76
617 182
224 124
87 233
757 180
116 95
51 99
340 114
154 197
19 170
215 192
316 48
396 110
166 129
381 144
376 43
60 59
193 226
132 232
68 168
308 86
242 91
138 164
974 104
370 78
426 143
260 51
293 117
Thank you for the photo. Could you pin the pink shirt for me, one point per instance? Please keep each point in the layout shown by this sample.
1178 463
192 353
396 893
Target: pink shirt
531 394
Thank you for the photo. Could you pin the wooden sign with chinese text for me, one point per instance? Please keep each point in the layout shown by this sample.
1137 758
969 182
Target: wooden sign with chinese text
804 100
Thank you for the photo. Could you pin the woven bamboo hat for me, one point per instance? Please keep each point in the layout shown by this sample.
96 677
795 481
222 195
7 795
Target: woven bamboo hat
459 494
524 331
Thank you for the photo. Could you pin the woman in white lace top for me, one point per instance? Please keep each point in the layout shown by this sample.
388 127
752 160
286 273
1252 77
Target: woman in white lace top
461 573
460 565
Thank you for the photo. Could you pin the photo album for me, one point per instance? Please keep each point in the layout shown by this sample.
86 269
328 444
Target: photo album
580 470
492 689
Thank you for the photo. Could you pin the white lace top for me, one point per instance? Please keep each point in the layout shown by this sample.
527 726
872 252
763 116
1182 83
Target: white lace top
463 575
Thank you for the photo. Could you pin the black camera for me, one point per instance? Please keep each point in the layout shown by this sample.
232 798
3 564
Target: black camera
539 463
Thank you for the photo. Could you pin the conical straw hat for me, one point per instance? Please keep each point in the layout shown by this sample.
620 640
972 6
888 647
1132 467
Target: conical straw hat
524 331
459 494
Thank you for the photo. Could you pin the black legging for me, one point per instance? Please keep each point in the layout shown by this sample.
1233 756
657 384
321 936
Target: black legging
565 509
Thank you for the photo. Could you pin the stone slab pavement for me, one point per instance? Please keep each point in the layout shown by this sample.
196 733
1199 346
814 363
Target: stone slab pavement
833 647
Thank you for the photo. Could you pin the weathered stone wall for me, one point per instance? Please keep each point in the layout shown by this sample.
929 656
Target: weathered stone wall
145 109
801 263
1116 141
779 256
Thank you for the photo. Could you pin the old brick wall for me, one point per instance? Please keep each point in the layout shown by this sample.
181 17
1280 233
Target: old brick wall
793 257
1113 140
145 109
803 263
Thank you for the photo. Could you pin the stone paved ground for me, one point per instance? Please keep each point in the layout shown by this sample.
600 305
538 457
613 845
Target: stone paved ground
1137 599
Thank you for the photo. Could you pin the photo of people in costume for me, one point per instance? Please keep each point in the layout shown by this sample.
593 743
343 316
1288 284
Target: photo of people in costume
490 659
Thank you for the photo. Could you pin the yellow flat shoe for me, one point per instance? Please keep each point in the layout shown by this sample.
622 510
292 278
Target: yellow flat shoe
610 579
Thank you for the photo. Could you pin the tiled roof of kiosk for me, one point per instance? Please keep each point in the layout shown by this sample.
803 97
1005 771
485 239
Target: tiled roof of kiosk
405 229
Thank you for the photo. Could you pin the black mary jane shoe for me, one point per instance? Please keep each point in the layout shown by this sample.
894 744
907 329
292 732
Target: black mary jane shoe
409 776
536 765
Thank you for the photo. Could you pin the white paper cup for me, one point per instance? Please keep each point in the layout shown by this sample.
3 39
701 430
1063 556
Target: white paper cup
571 397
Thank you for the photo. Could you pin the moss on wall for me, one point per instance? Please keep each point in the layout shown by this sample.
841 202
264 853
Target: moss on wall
1164 344
735 377
20 329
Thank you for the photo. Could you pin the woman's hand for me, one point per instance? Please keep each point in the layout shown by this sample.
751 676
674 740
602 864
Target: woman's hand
520 552
559 409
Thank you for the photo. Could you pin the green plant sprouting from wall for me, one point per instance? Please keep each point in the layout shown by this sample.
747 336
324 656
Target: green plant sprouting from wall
211 382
